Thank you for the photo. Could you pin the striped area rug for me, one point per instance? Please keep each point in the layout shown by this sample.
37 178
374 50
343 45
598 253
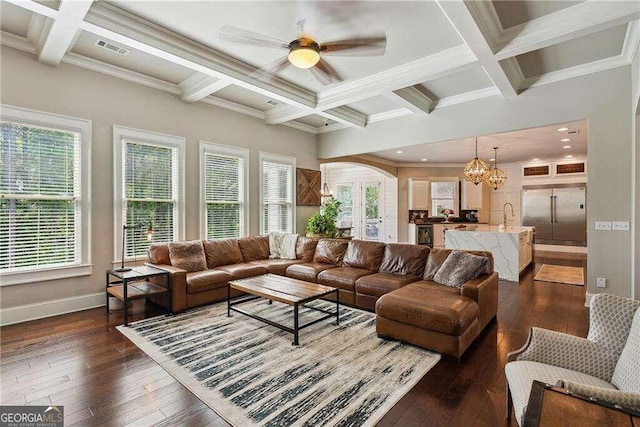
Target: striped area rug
250 374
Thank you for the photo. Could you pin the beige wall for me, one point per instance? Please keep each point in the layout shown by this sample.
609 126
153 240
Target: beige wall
107 101
604 99
429 172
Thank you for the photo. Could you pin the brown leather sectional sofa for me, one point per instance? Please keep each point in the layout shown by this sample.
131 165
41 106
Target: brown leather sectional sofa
387 278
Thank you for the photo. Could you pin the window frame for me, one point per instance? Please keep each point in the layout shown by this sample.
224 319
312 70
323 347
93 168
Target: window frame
285 160
83 265
456 194
121 133
207 147
353 204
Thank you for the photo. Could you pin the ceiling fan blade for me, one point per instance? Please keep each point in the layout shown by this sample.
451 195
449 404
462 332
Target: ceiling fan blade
238 35
325 73
271 69
362 46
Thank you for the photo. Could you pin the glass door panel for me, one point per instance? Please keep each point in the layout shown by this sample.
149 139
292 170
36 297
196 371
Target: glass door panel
372 211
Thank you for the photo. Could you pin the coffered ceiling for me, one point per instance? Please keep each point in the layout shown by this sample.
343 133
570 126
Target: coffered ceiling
439 53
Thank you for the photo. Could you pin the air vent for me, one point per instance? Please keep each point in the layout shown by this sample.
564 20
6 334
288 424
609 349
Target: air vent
112 47
270 102
573 132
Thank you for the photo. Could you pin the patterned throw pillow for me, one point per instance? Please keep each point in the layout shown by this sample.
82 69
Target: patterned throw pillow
460 267
188 255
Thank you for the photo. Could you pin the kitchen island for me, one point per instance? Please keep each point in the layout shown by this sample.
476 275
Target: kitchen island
511 247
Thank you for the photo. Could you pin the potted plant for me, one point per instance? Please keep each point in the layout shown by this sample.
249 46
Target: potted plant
323 223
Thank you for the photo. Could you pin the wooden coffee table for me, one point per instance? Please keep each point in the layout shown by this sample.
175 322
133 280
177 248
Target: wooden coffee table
285 290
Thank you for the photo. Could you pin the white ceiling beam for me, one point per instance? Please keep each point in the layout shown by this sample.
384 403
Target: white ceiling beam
62 33
413 99
120 26
473 24
576 21
346 116
444 63
198 86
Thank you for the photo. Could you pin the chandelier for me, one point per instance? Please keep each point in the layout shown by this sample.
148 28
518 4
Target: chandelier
476 170
496 177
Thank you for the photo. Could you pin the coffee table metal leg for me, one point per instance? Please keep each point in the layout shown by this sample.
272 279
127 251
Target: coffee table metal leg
228 300
295 324
338 307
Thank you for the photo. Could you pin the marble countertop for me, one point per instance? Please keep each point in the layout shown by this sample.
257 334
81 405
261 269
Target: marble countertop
494 229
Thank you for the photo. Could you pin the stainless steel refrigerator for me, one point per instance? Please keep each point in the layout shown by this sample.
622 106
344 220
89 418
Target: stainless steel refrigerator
557 212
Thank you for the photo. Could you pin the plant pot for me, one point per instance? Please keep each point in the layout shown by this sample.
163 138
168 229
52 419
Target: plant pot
319 235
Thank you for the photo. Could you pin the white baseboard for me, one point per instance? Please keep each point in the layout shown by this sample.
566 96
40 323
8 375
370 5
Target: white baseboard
24 313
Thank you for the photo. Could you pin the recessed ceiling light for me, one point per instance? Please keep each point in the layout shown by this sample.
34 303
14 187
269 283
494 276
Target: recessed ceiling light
492 159
568 157
566 146
563 129
424 160
535 160
565 140
399 152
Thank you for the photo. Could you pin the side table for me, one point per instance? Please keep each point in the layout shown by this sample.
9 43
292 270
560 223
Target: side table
136 284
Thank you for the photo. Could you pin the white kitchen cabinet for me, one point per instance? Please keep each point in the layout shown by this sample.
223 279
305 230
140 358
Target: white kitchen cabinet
418 194
471 195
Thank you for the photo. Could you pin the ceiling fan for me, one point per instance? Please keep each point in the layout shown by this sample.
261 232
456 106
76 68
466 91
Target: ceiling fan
305 52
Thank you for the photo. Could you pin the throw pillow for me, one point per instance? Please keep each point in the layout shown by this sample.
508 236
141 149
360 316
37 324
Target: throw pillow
282 245
434 261
460 267
188 255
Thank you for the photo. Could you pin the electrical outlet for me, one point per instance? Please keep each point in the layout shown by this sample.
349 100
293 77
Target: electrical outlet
601 282
603 225
620 225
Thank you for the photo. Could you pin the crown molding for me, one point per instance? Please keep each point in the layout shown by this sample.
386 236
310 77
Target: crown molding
575 21
468 97
303 127
631 41
331 128
575 71
198 86
512 70
17 42
431 67
38 29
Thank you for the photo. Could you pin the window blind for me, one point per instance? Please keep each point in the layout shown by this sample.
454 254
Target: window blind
277 197
224 195
150 193
40 209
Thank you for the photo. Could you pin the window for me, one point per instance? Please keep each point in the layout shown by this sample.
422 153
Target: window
148 188
224 189
277 193
344 194
44 196
444 195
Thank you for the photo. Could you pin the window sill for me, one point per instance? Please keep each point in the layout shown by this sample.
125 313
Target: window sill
45 274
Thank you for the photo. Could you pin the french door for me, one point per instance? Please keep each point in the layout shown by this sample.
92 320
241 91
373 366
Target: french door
372 226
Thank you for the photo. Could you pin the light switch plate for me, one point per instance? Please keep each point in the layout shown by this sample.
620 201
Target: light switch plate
603 225
601 282
620 225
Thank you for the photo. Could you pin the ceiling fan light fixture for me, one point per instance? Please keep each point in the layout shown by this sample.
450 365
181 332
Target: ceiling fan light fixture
304 53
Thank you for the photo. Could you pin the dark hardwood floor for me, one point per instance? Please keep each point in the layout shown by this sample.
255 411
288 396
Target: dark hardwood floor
81 361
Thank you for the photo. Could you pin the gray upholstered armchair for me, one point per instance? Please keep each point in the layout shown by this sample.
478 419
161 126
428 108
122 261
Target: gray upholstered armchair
604 365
